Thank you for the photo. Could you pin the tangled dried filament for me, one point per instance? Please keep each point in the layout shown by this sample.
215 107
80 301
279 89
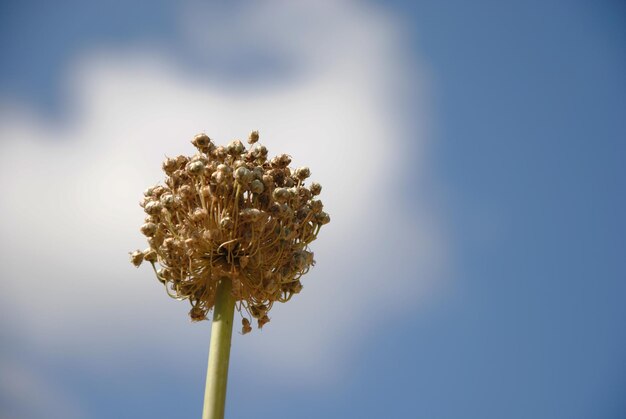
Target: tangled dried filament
231 213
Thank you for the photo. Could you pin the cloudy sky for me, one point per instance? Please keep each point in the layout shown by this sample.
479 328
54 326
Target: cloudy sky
472 163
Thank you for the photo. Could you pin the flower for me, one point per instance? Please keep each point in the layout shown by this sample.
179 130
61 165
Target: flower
232 213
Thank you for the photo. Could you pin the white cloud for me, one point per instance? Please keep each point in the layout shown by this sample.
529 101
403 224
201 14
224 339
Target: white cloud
70 210
26 394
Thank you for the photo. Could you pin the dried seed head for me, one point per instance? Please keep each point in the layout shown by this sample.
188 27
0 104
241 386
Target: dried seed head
230 213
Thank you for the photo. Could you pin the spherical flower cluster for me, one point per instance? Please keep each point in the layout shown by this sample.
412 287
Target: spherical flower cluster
231 213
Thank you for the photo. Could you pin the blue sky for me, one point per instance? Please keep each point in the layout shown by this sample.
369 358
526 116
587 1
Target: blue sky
496 288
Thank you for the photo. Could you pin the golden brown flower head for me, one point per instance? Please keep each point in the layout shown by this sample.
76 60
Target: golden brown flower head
228 212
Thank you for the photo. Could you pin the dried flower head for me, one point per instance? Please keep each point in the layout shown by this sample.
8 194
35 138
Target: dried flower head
232 213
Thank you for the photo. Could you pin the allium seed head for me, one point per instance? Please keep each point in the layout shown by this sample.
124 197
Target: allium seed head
227 213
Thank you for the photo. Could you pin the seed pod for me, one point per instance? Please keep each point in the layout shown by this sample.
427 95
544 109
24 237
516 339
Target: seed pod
281 194
257 186
195 168
169 166
202 142
302 173
153 208
136 258
261 153
185 192
226 223
263 321
245 326
220 153
182 161
295 287
235 148
281 161
322 218
289 182
148 192
243 175
148 229
200 214
150 255
250 215
316 206
197 314
254 137
258 172
316 188
168 201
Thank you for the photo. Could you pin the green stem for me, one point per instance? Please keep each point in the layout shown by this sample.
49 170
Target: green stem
219 352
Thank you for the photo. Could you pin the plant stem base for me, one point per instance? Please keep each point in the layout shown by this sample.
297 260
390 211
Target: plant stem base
219 352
